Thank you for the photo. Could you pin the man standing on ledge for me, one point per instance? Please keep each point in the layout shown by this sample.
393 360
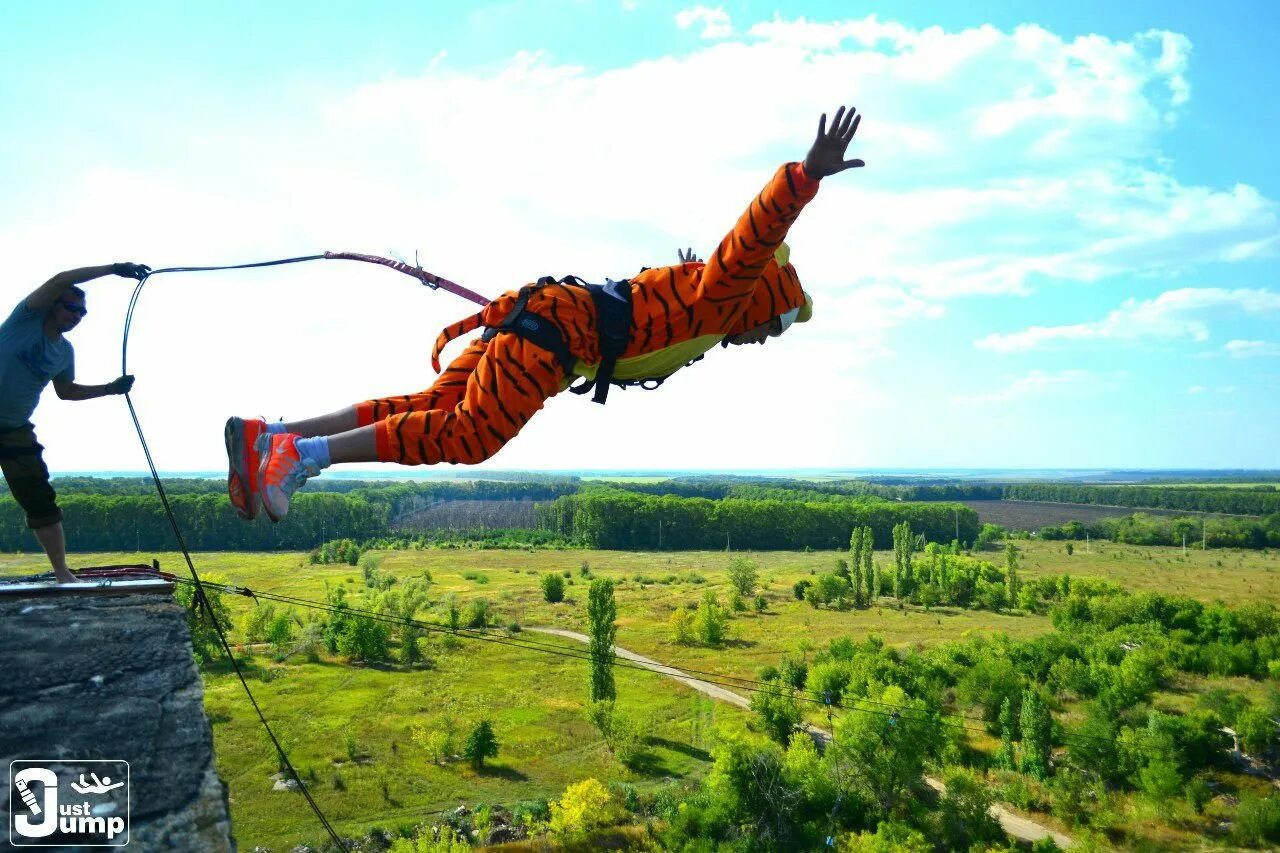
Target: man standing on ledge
33 351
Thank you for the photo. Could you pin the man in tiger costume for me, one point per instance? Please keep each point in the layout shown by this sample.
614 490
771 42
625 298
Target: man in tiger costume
540 339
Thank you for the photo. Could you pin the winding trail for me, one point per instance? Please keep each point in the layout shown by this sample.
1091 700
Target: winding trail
1015 825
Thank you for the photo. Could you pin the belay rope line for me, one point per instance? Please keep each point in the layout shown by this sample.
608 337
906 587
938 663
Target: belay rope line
429 279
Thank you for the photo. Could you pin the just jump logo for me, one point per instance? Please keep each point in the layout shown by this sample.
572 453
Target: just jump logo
67 802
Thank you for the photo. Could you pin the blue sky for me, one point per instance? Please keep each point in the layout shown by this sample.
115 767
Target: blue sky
1062 251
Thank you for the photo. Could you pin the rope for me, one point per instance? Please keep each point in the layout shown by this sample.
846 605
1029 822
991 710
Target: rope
200 594
429 279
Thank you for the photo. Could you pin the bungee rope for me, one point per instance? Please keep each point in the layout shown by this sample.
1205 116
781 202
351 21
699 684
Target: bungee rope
429 279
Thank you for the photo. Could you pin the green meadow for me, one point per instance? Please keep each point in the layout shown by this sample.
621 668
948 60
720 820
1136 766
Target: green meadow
350 728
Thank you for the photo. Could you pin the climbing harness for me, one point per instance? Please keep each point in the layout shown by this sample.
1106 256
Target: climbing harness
612 301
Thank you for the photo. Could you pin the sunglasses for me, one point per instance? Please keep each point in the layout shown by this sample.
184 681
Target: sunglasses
74 307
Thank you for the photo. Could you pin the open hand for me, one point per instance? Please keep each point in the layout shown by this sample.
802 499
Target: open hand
826 157
687 256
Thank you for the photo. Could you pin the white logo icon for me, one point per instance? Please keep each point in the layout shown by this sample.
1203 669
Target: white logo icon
52 803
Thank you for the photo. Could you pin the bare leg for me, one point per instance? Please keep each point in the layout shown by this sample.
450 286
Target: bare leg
357 445
55 547
330 424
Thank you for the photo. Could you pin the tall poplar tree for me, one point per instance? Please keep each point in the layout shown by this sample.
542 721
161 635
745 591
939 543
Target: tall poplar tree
1036 725
855 562
602 610
869 568
1011 573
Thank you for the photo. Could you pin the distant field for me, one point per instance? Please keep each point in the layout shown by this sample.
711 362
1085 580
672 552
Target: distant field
1230 575
467 515
1213 485
1032 515
612 478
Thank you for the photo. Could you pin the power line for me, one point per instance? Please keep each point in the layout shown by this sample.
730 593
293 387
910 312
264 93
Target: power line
764 687
199 590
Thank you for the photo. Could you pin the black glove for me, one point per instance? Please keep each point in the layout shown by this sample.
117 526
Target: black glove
121 385
126 269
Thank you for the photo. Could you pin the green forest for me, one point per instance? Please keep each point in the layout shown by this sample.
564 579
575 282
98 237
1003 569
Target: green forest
680 514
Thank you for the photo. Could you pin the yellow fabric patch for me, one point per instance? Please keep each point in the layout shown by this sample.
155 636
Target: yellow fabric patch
656 364
782 254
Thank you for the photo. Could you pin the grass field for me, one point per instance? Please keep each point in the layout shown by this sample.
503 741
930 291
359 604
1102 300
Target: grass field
348 727
1229 575
1032 515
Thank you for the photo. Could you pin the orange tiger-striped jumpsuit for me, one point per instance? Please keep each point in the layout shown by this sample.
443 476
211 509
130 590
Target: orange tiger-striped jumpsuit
492 389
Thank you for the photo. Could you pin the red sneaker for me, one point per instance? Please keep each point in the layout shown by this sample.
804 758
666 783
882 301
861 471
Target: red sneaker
283 471
242 462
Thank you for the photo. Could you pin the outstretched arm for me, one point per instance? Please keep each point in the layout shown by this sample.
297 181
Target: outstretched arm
69 390
735 266
45 295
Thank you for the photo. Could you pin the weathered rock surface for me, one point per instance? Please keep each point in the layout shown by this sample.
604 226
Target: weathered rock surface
112 677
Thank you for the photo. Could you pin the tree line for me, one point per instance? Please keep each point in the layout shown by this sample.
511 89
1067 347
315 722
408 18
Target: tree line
1245 500
623 520
1143 529
138 523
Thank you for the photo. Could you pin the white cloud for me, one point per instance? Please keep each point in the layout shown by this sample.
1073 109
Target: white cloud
997 161
1251 349
1196 389
1033 384
1173 315
715 21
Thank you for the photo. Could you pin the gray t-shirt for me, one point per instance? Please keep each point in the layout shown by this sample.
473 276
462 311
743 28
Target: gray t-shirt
28 361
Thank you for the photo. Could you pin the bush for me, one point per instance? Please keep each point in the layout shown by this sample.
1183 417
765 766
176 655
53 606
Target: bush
580 809
743 575
553 587
778 712
712 620
478 613
1257 821
682 627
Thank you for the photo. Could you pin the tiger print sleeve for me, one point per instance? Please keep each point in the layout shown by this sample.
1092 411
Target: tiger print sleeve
734 267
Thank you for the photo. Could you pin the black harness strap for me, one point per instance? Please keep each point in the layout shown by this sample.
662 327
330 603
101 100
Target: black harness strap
612 301
613 319
534 328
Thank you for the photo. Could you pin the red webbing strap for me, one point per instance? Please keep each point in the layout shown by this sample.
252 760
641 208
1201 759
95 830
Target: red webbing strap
429 279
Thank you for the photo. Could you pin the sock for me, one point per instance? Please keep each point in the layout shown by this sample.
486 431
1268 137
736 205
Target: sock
276 428
316 449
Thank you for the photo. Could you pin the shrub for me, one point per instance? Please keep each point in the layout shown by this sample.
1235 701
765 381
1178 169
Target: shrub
778 713
743 575
712 620
553 587
579 809
478 613
1257 821
682 628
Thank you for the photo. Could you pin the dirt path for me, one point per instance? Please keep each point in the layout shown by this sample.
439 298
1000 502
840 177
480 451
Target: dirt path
1015 825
